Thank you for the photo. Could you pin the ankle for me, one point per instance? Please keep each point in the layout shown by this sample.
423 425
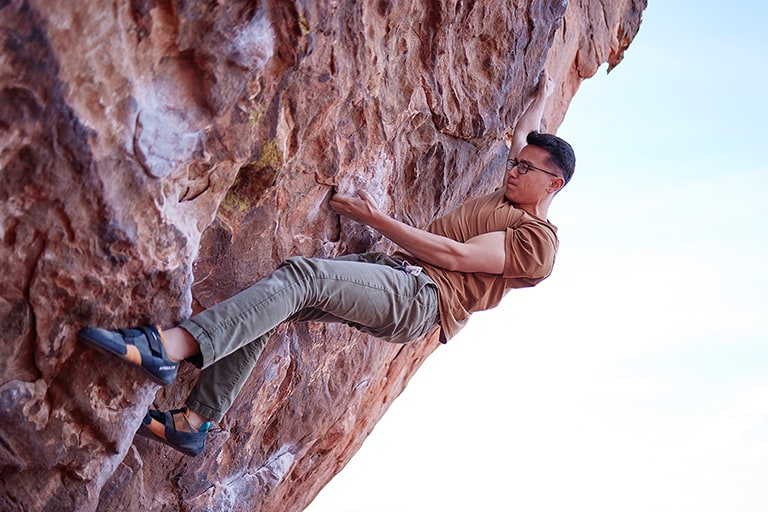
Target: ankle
179 344
196 420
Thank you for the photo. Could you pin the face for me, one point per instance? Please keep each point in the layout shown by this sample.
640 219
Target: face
532 188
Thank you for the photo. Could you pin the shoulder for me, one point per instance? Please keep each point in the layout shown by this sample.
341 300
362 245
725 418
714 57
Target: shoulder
531 246
538 228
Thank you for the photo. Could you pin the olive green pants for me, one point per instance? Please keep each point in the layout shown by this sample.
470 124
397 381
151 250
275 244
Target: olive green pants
371 292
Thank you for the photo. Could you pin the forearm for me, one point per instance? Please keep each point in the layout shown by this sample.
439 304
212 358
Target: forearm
434 249
531 119
483 253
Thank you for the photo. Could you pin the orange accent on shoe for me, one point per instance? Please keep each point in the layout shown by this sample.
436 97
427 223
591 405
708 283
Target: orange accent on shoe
162 336
165 345
157 428
181 422
132 354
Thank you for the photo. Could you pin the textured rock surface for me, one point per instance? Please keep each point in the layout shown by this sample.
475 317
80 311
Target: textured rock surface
158 156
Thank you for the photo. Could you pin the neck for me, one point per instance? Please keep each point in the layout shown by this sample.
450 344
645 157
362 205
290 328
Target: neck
539 209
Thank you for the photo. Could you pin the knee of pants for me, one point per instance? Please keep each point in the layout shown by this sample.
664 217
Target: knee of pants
300 266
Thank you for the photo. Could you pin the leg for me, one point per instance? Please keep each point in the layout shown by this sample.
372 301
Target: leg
221 382
376 299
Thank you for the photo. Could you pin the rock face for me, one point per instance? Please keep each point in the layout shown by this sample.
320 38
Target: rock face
157 156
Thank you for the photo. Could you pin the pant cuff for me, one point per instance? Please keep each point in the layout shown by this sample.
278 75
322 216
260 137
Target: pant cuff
205 411
203 339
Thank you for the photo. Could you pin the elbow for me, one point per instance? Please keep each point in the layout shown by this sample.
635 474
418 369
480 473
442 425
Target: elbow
454 260
453 264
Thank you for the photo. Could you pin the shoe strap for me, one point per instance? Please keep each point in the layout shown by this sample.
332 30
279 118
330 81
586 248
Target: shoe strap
155 343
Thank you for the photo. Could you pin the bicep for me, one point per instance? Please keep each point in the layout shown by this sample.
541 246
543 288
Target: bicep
483 253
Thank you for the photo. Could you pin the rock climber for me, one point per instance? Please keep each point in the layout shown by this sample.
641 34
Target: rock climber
463 262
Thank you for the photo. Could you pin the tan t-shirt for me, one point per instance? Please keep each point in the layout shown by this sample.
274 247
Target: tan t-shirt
530 249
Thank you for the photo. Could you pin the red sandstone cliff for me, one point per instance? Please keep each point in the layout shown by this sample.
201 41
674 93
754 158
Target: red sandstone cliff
157 156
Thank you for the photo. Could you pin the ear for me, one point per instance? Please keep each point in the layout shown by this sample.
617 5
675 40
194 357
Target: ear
555 184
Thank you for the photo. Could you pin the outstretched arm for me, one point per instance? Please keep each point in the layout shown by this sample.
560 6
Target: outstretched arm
483 253
531 119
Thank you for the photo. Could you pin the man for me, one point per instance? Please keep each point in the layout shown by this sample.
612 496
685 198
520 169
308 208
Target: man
463 262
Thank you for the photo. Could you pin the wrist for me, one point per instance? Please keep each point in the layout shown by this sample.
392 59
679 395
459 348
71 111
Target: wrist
378 221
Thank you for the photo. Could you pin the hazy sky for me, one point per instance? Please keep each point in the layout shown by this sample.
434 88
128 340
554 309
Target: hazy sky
634 378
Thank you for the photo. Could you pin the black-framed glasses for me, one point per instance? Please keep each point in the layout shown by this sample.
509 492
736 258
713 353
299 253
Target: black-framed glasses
524 167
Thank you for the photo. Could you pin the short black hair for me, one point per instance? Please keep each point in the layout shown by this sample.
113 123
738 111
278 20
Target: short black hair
560 152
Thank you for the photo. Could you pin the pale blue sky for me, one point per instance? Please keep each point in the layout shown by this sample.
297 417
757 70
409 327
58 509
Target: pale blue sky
634 378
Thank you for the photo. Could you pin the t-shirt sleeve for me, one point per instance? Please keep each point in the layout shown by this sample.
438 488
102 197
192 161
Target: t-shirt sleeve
530 252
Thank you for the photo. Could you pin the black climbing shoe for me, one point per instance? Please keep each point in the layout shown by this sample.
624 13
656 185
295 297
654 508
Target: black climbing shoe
173 428
143 347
